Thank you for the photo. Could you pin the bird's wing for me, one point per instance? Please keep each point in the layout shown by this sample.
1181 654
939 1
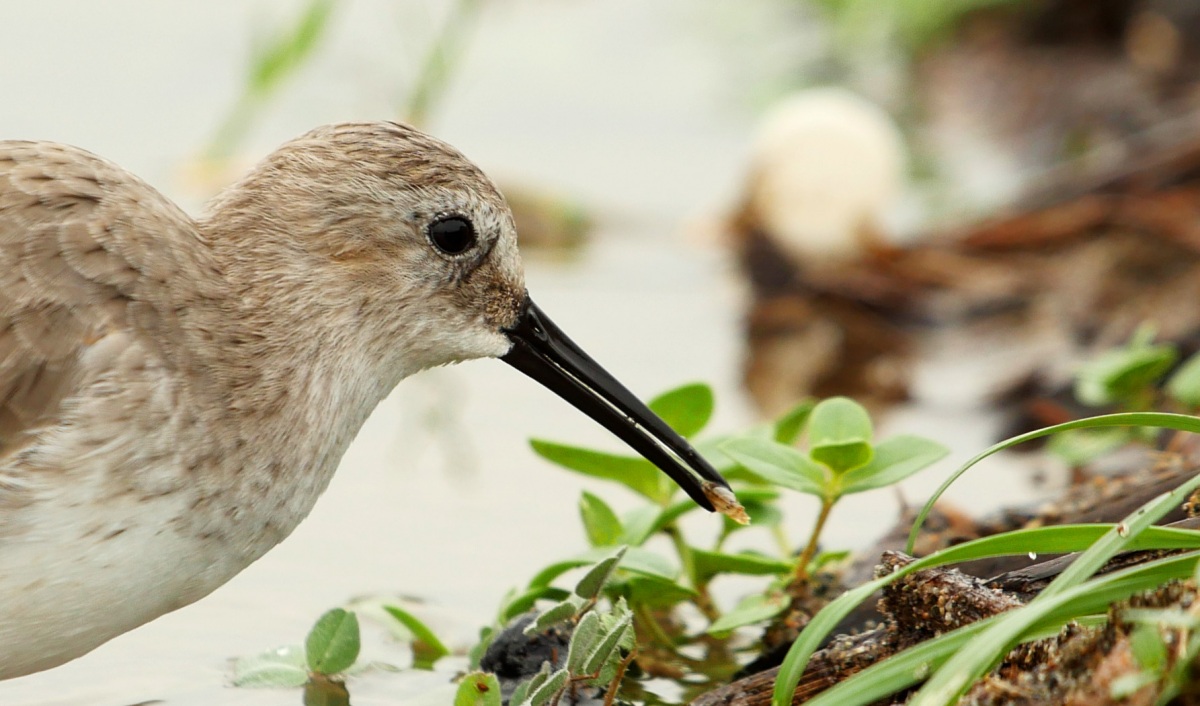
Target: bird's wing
88 253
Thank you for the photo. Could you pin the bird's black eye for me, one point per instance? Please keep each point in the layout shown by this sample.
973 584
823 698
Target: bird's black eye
453 235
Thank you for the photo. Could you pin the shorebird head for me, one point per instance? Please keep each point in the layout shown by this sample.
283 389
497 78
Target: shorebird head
415 250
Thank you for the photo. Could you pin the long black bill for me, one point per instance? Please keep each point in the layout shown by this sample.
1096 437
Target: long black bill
543 352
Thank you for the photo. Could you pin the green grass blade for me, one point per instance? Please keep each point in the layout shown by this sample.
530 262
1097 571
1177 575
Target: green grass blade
1041 540
909 667
962 670
1179 422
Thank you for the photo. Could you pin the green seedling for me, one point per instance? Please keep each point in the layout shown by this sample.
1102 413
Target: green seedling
841 460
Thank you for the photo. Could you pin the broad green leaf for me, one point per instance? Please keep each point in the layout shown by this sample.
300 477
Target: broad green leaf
478 689
545 693
535 682
685 409
587 633
525 601
637 474
520 694
593 581
640 523
788 427
427 649
1116 375
1184 385
563 610
333 643
752 609
708 564
606 646
599 521
839 434
643 561
894 460
710 448
280 667
655 591
779 464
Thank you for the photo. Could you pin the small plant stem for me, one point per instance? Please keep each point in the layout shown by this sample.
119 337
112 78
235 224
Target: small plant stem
811 548
433 78
703 601
785 548
611 694
656 631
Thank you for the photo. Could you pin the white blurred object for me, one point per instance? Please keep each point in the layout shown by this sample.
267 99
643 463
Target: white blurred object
827 167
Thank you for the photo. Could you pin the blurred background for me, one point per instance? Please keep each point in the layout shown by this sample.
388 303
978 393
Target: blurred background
937 206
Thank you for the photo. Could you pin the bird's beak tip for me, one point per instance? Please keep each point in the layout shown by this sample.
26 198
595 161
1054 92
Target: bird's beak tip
725 502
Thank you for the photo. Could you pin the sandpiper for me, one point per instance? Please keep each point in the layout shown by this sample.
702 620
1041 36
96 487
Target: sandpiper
175 393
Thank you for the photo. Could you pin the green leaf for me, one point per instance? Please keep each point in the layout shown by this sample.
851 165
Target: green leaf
525 601
637 474
761 515
563 610
787 428
1042 540
520 694
655 591
839 434
752 609
643 522
282 667
333 643
606 646
549 689
1184 385
288 51
708 564
894 460
427 649
478 689
1119 374
1082 446
533 684
779 464
1147 645
599 521
960 671
1178 422
593 581
586 634
685 409
643 561
475 654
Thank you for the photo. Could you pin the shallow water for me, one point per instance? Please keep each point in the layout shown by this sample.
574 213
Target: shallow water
622 103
